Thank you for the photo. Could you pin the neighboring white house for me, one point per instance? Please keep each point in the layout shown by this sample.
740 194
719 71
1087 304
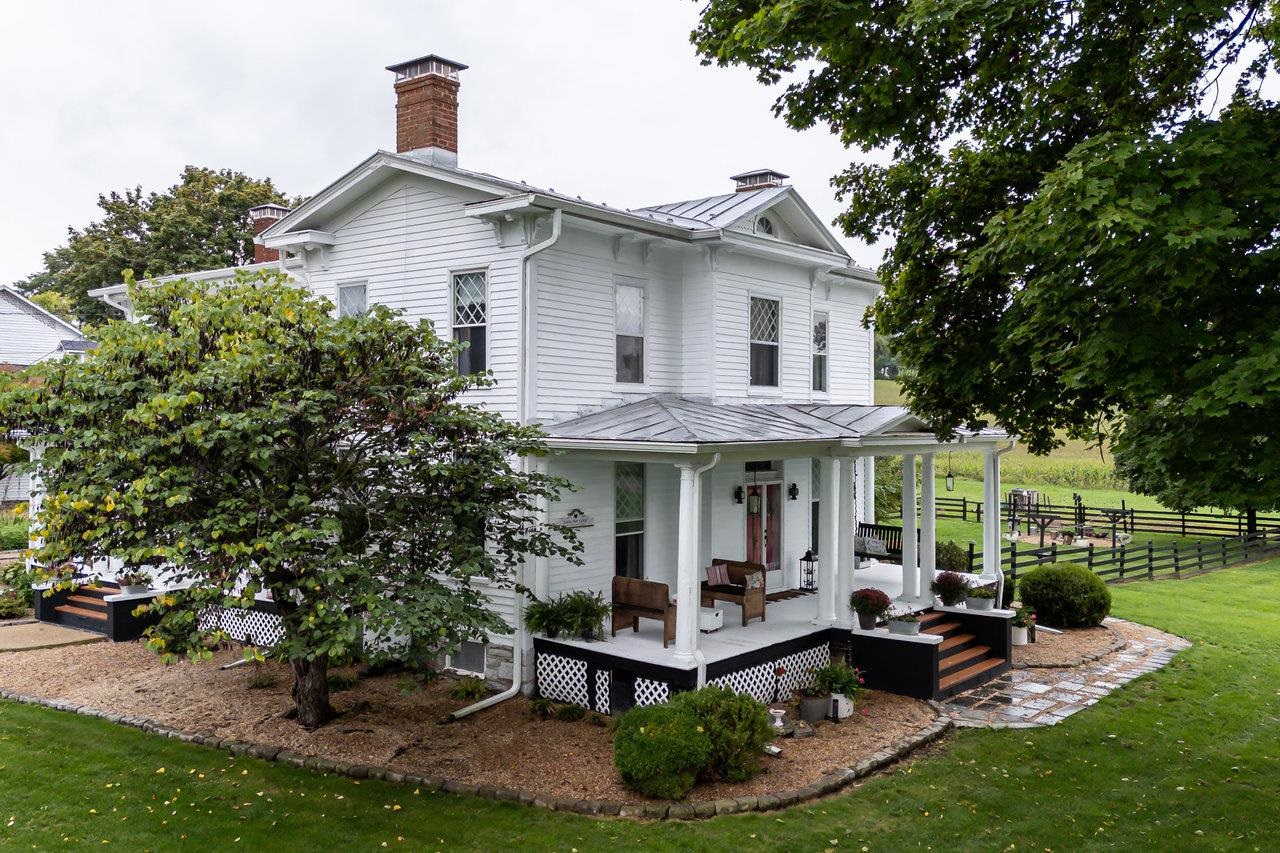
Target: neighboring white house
701 366
30 334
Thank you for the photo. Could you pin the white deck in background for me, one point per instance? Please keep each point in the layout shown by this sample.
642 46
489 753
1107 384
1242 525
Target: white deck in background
787 620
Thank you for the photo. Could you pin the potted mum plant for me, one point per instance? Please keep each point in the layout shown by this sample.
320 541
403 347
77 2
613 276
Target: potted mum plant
134 582
870 604
980 598
1024 618
950 587
835 679
904 622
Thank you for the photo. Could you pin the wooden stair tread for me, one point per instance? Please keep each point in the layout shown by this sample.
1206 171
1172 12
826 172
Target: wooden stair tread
931 616
961 658
941 628
80 611
87 601
954 640
949 681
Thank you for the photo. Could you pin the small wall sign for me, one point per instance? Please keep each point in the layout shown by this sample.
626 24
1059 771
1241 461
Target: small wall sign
576 518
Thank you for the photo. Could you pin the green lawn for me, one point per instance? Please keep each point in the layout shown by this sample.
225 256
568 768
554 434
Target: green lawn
1187 758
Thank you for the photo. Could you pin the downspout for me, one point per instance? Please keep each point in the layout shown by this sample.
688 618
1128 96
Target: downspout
698 657
1000 574
523 374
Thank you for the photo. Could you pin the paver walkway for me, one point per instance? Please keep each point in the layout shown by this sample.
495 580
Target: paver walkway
22 636
1044 697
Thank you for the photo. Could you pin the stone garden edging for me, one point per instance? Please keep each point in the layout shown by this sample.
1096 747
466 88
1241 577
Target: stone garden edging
1117 643
828 784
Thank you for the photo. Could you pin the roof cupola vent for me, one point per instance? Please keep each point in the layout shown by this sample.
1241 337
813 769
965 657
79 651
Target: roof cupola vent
758 179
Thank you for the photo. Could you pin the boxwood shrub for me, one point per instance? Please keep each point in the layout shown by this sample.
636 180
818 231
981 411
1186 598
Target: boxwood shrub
660 750
1065 595
739 729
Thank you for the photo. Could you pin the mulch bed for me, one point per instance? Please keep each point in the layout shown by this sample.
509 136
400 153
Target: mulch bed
386 722
1069 648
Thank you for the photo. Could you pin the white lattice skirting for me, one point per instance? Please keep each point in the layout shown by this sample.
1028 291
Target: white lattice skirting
650 692
563 679
758 681
254 627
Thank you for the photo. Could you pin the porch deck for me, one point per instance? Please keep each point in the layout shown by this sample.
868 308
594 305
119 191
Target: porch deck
787 620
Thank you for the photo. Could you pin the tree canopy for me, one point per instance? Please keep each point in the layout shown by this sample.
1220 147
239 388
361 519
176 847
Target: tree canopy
201 222
1084 201
246 440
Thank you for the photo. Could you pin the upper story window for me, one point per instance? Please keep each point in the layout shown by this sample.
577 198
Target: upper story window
628 303
764 342
470 320
353 299
820 352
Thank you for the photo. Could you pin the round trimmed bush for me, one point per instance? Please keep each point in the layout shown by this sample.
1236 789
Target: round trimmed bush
738 727
1065 595
660 751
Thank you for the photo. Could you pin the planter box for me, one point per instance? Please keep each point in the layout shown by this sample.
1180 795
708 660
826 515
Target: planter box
980 603
909 629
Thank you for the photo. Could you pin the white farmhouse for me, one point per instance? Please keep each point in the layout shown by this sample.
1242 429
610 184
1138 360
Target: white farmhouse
703 371
30 334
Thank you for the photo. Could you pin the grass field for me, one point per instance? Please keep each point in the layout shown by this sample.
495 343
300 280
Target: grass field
1186 758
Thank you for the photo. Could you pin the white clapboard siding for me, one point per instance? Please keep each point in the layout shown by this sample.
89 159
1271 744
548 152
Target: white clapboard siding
15 488
27 335
593 480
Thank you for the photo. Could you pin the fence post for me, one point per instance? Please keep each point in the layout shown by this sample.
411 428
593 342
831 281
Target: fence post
1177 563
1053 552
1090 557
978 512
1151 560
970 556
1122 550
1199 557
1223 542
1013 557
964 510
1184 523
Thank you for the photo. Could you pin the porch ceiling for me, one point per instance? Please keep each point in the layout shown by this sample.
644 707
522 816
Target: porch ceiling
672 423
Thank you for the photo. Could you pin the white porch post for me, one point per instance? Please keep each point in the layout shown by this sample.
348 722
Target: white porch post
687 594
990 515
868 474
928 525
829 546
910 568
845 565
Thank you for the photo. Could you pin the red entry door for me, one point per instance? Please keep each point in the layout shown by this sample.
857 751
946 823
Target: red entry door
764 524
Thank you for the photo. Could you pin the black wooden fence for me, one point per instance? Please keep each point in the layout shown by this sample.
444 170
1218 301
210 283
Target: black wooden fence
1122 518
1137 561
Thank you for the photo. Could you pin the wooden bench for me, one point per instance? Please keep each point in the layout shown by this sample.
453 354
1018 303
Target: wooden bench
752 601
635 599
889 535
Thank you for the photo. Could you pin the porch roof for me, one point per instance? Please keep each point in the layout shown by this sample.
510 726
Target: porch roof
669 419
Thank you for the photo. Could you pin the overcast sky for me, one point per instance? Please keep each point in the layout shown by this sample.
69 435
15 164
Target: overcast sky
600 99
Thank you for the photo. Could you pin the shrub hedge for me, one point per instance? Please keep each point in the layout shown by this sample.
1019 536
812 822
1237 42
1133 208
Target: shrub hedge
738 727
660 750
1065 595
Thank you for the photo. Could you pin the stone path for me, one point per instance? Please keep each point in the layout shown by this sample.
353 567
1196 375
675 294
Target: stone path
24 635
1044 697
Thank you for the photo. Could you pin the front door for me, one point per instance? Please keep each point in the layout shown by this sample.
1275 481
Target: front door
764 524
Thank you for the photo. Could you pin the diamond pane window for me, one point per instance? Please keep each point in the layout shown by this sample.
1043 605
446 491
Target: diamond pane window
629 338
820 352
629 519
764 342
352 299
470 313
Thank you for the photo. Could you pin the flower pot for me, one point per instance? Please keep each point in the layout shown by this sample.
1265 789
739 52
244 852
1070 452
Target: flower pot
814 709
134 589
589 634
1019 636
952 600
980 603
909 629
867 621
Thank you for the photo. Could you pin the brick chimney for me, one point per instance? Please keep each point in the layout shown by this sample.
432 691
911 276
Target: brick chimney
263 217
758 179
427 108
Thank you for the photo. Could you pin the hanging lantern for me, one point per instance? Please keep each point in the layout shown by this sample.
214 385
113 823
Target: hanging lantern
951 478
806 570
753 501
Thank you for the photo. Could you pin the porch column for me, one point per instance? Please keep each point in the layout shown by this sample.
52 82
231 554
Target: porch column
688 597
910 568
928 525
868 502
846 563
990 514
829 547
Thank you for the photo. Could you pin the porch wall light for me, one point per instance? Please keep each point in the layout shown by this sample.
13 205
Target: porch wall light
793 491
739 494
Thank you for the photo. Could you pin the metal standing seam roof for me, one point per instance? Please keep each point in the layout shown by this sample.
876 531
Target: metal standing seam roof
669 418
718 210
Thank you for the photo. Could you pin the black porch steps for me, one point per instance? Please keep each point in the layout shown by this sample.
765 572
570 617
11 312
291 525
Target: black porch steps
971 673
953 662
963 662
953 643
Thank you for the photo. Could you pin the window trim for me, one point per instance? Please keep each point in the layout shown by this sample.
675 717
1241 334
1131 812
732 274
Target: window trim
453 307
644 513
752 388
484 652
337 296
641 284
825 354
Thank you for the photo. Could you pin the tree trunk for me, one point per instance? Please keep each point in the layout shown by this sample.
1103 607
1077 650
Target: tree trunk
311 692
1251 525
